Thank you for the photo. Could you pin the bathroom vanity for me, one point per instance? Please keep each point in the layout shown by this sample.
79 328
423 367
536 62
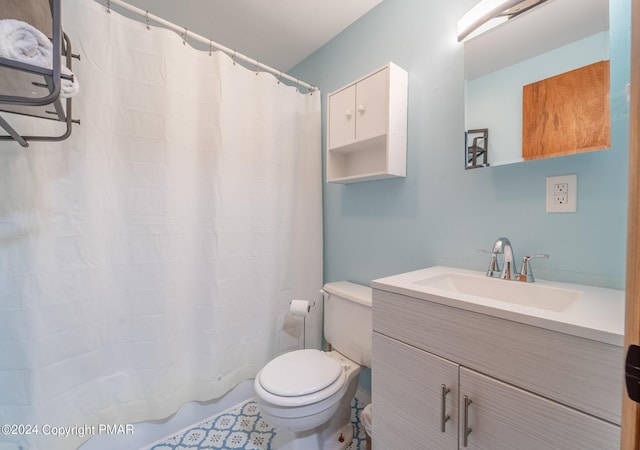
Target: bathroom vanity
465 361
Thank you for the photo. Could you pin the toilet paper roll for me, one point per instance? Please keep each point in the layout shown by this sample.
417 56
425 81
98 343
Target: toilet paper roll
299 307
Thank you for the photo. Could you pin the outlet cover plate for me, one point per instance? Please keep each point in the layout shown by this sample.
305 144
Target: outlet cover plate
562 194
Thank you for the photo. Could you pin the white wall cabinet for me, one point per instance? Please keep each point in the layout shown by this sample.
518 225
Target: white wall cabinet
367 128
519 398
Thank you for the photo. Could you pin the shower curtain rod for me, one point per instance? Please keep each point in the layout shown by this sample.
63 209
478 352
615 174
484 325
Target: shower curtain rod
185 33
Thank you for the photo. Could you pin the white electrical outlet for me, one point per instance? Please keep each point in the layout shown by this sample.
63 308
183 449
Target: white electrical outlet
562 194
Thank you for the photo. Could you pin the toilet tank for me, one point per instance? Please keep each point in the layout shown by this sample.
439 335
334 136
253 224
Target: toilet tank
347 320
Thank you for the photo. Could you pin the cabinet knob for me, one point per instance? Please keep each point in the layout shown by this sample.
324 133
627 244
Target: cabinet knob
360 109
347 114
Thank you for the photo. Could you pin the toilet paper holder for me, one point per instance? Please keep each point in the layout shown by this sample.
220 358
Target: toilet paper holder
303 308
300 307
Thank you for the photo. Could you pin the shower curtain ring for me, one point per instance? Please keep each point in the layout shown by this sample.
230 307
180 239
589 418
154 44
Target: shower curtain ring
184 36
108 6
257 68
233 57
146 18
279 77
210 47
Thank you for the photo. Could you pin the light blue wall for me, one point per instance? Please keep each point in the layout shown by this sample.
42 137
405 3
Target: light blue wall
440 213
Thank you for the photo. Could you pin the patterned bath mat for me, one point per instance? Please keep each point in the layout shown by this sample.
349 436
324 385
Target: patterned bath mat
359 435
242 427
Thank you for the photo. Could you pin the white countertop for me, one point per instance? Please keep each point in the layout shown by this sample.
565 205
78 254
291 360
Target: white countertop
597 314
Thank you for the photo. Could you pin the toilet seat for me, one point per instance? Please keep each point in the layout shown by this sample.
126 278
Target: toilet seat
299 373
299 378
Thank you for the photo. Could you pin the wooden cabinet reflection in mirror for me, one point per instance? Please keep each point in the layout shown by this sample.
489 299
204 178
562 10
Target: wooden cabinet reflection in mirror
567 113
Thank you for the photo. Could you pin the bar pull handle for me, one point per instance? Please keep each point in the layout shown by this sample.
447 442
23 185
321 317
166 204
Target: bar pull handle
444 417
467 430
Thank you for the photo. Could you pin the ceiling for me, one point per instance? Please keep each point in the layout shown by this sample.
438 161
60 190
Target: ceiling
279 33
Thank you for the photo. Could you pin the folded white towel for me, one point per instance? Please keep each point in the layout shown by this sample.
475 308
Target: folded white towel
23 42
69 88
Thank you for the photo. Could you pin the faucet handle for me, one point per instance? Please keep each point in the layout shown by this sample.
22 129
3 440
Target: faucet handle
526 272
494 267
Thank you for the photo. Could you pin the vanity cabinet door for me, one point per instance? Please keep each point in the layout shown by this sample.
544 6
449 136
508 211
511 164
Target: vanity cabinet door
408 398
504 417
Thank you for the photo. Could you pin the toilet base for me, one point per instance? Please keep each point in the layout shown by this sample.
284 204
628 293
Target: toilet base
311 439
334 434
334 430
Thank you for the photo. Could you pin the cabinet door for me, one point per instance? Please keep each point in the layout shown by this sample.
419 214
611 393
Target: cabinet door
372 106
342 117
407 394
503 417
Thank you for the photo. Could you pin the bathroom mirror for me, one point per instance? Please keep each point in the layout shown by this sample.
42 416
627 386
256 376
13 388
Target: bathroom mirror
555 37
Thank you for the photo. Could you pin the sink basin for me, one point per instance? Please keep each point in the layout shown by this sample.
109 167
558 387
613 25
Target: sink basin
521 293
580 310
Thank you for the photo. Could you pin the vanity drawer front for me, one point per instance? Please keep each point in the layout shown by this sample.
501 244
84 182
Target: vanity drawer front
581 373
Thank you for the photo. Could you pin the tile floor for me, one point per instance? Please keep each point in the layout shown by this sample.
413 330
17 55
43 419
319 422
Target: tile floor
242 427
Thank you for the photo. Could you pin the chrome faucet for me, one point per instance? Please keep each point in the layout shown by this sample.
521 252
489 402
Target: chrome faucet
502 246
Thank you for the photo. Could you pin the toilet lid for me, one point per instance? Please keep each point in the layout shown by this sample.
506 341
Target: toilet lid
301 372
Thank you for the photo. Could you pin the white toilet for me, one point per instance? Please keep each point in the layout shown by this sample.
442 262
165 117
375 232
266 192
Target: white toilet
306 394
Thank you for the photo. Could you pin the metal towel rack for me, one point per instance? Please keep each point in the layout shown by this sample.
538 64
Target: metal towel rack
34 91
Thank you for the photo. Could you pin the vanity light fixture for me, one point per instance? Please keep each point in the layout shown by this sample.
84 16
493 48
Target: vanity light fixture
489 13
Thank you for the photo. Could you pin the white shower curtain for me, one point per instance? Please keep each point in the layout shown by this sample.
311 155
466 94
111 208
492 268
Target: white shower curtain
149 260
